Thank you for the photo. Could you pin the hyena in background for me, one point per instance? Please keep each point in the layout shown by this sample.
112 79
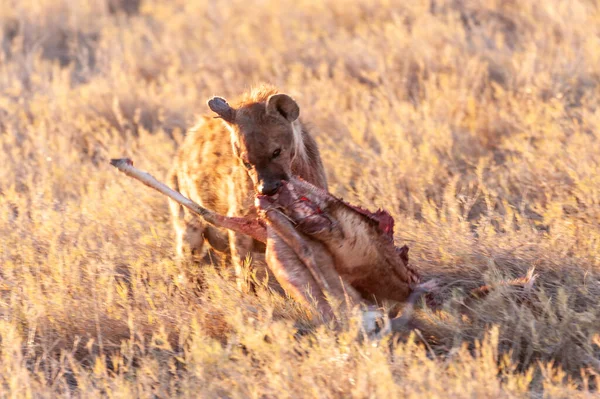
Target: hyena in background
251 146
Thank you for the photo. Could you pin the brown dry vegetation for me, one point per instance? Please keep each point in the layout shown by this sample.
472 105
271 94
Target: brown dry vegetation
475 123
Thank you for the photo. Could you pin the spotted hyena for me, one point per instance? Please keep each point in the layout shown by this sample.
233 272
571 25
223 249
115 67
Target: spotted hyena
250 147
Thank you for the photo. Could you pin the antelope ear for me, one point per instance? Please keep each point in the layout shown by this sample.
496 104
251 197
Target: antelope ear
219 106
283 105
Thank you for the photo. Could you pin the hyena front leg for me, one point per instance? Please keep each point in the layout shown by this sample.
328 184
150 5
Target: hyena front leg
240 245
189 230
189 239
197 241
240 248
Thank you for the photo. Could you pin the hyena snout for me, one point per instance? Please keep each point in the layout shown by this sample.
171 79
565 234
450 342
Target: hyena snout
268 187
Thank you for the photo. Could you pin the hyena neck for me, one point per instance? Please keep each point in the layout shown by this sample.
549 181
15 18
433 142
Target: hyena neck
307 163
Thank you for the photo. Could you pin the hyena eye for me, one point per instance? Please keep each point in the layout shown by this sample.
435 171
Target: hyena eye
247 165
276 153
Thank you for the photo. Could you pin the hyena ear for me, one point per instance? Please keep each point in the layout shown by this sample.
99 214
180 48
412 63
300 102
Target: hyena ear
219 106
283 105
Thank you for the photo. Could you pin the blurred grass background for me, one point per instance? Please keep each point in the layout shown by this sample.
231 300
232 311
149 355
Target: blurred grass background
475 123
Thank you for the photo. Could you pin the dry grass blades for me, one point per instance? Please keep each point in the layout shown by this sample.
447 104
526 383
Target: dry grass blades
474 123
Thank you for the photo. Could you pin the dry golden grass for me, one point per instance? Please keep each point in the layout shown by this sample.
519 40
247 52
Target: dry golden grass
475 123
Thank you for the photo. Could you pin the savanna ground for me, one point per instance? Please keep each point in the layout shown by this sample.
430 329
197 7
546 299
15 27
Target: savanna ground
474 123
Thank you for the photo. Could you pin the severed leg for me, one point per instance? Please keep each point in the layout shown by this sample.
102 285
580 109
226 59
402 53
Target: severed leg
298 244
250 227
313 255
294 277
291 271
